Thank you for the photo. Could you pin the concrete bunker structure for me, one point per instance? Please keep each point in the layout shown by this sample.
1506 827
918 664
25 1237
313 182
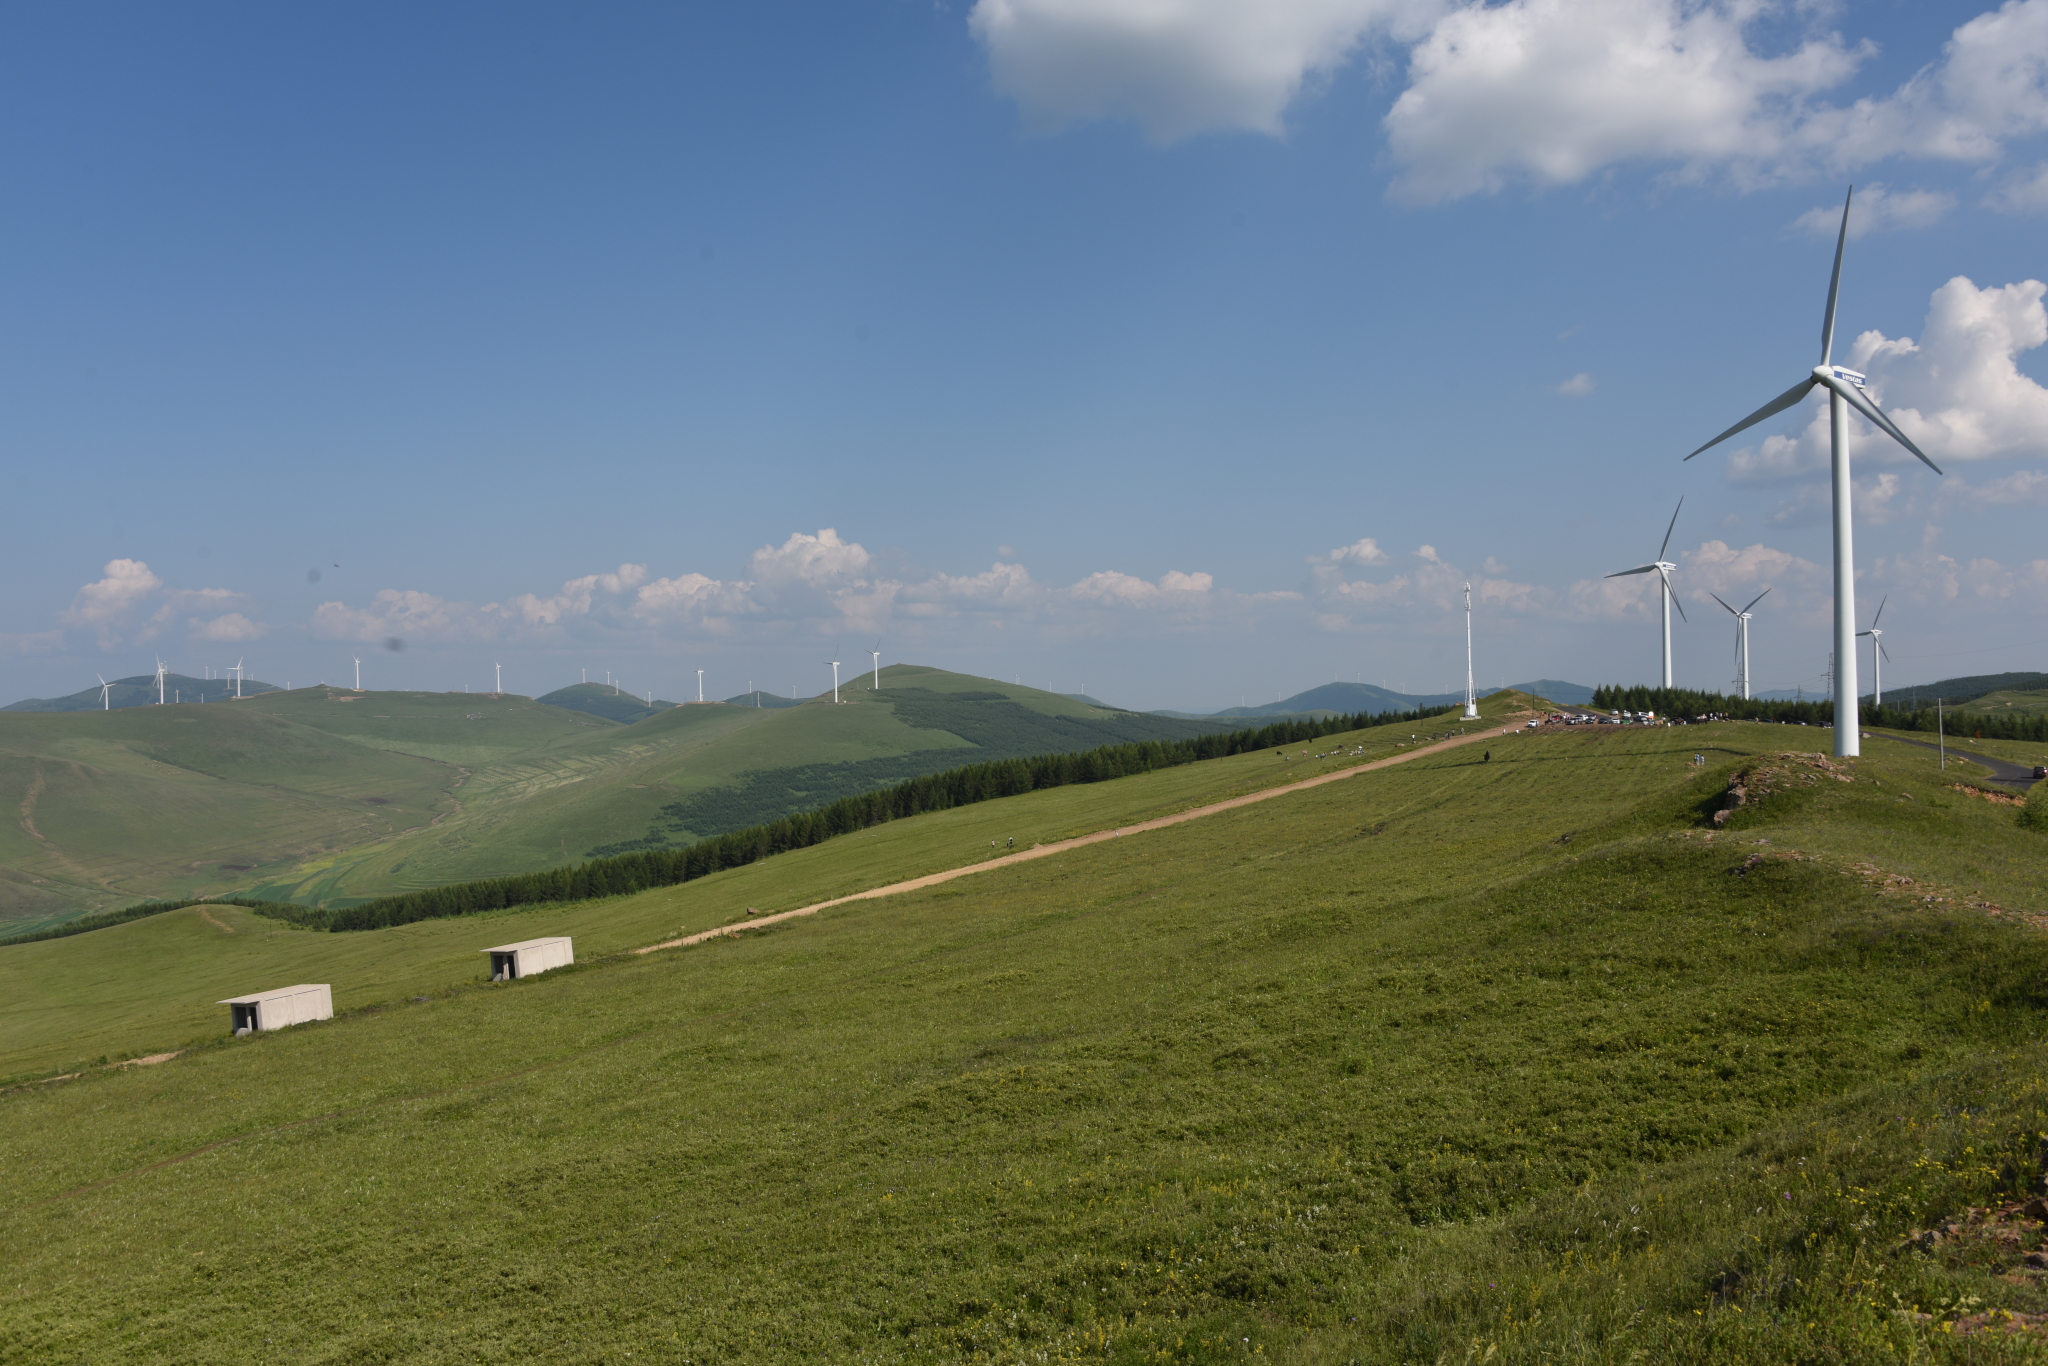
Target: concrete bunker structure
529 956
281 1007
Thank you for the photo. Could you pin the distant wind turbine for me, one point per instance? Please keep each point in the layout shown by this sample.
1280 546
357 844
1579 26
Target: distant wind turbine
1878 655
1662 568
106 704
238 680
1741 640
500 687
835 682
359 672
700 685
160 682
1845 391
877 653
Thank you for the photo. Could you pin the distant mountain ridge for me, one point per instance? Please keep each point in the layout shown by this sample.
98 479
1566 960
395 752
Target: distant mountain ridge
602 699
139 690
1366 697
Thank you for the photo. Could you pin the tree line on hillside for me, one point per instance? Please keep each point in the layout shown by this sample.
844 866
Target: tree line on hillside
621 874
1679 703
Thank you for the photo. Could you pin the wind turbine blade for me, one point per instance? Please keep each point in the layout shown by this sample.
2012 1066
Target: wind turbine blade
1886 653
1827 326
1758 598
1669 529
1860 401
1717 598
1674 599
1639 569
1880 612
1771 409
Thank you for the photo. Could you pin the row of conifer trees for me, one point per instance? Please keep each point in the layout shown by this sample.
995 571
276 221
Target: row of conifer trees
635 872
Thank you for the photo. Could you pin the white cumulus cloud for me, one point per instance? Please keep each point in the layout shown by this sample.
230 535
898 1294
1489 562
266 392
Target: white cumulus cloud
1543 92
232 626
113 599
1175 67
1878 208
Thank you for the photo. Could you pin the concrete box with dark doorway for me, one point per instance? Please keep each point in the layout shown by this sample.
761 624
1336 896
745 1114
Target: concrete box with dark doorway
529 956
279 1008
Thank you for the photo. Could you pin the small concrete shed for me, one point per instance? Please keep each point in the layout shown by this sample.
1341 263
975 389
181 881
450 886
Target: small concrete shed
284 1006
529 956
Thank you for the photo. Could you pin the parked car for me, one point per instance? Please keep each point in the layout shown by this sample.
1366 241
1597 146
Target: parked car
2041 770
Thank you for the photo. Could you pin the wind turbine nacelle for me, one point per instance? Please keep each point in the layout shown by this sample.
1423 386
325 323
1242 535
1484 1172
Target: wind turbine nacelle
1855 377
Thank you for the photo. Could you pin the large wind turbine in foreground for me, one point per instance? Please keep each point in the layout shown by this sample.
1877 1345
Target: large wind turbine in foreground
1741 640
1877 654
1845 391
1662 569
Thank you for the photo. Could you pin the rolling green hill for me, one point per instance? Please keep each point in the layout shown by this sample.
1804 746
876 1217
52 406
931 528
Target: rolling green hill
599 699
2009 702
141 691
115 807
493 784
1420 1065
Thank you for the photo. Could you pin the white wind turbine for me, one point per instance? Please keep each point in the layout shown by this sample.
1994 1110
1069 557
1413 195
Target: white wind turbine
499 686
105 703
877 653
1741 641
835 682
1878 654
700 685
238 680
1471 703
1663 570
1845 391
359 672
160 671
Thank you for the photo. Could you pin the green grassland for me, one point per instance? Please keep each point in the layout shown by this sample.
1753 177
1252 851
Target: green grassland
2009 704
327 795
114 807
1507 1059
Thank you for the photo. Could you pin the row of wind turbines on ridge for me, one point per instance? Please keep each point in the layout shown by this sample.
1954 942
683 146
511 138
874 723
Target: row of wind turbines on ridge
1668 599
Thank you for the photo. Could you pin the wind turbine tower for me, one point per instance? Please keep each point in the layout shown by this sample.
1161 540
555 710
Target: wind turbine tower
700 685
1845 391
160 682
1663 570
1877 654
105 703
359 671
1471 702
499 687
877 653
1741 641
835 682
238 680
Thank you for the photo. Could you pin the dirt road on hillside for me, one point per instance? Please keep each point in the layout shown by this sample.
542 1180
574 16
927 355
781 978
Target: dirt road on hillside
1078 842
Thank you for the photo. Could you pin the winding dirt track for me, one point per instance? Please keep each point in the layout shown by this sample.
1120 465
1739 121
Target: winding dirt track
1078 842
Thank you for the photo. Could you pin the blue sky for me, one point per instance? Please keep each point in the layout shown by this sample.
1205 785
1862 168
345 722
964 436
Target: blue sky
1179 351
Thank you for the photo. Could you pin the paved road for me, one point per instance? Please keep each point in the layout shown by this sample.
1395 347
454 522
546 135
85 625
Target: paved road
2002 770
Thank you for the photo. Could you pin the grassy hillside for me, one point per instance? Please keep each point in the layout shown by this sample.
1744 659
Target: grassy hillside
115 807
1389 1070
2009 702
693 771
452 786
